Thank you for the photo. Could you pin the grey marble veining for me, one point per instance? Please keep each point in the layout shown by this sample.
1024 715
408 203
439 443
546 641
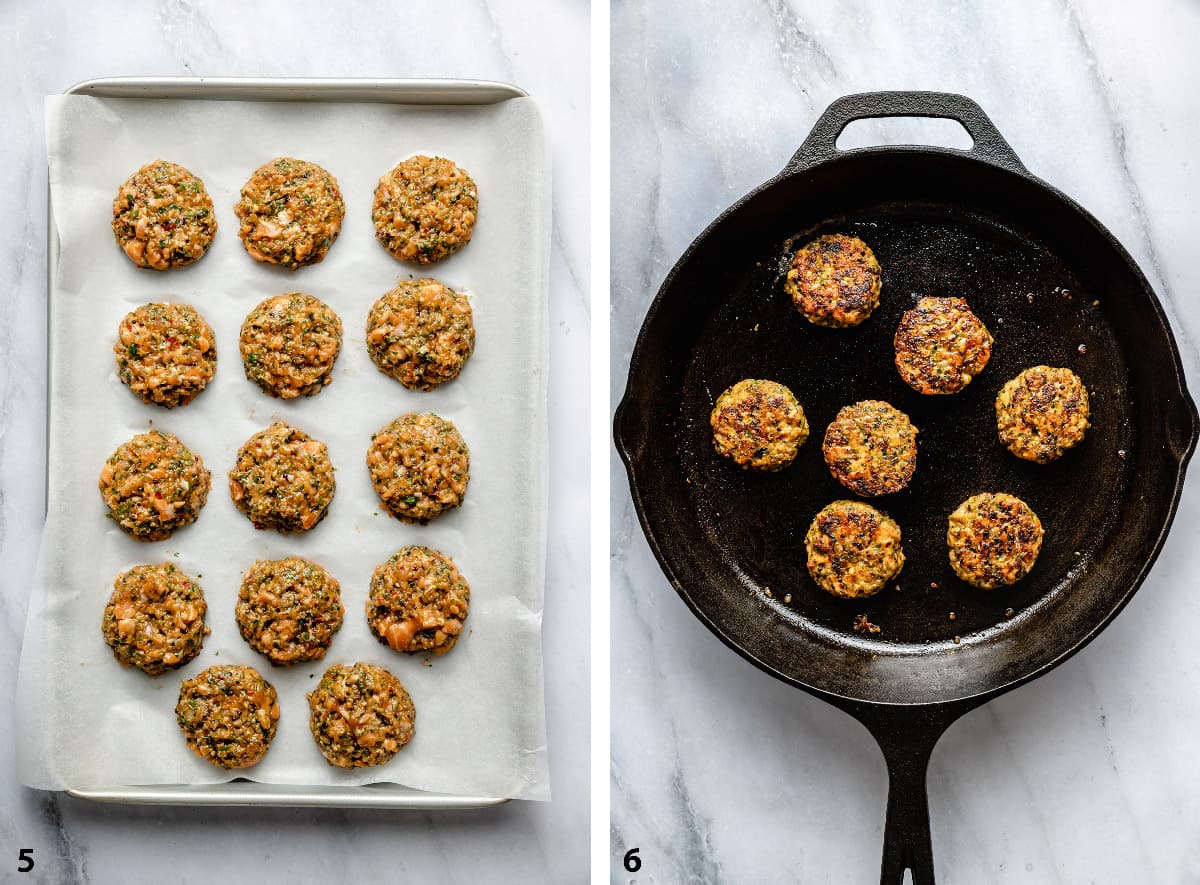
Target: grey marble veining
45 47
722 774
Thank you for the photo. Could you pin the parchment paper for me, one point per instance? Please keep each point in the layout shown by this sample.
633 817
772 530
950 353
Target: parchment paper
85 721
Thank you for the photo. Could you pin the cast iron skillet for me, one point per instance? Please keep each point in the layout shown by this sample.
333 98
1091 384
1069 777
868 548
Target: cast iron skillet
1053 286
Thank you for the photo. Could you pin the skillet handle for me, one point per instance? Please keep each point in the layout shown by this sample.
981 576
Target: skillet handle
821 144
907 736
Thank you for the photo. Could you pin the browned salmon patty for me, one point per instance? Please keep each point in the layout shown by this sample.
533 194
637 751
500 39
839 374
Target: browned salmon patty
941 346
834 281
994 540
871 448
758 425
1042 413
853 549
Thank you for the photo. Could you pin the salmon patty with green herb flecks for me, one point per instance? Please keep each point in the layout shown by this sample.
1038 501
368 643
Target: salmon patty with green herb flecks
420 466
163 217
941 345
871 448
166 353
853 549
228 715
425 209
421 333
291 212
154 619
289 344
994 540
289 609
153 484
834 281
1042 413
283 479
758 425
418 601
360 715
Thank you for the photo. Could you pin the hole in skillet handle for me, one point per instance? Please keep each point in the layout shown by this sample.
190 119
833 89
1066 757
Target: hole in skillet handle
987 142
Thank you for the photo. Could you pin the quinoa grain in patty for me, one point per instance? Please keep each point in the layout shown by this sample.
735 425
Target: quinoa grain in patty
994 540
360 715
941 345
420 466
289 609
421 333
418 601
291 212
853 549
153 484
228 715
425 209
163 217
834 281
166 353
283 479
1042 413
871 448
758 425
289 344
154 619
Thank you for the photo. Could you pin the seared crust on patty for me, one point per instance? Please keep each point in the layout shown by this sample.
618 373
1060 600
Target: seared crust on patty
166 353
425 209
758 424
420 466
834 281
153 484
228 715
1042 413
941 346
421 333
871 448
163 217
283 479
360 715
154 619
418 601
853 549
289 344
289 609
994 540
291 212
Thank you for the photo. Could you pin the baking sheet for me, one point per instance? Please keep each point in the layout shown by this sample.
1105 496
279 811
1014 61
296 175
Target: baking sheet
85 721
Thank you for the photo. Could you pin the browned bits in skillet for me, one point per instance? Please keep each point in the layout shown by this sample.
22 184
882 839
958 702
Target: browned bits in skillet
283 479
871 448
228 715
153 484
759 425
853 549
289 344
360 715
425 209
863 625
166 353
834 281
1042 413
421 333
420 466
941 345
418 601
289 609
291 212
154 619
994 540
163 217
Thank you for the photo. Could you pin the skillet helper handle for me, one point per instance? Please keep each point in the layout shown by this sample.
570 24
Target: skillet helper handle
821 144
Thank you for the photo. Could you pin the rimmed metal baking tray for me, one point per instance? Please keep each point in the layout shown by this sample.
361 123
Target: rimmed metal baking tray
390 91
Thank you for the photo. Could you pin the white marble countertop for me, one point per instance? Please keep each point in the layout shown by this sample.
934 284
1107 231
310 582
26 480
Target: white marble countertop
722 774
47 47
